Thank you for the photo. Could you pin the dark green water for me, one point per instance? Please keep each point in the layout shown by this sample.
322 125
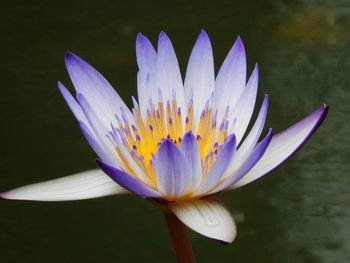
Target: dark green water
300 213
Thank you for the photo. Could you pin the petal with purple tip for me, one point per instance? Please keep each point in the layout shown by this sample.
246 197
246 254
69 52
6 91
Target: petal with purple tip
103 99
84 185
168 72
172 170
207 217
200 78
128 181
146 61
231 79
73 104
284 145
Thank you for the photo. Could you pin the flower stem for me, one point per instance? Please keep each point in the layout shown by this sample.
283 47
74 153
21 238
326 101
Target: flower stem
179 237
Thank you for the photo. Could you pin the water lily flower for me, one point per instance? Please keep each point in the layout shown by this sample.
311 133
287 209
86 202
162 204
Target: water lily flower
182 142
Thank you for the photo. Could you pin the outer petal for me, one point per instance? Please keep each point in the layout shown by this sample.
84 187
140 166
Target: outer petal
222 163
200 78
284 145
84 185
189 147
207 217
172 170
128 182
231 79
98 92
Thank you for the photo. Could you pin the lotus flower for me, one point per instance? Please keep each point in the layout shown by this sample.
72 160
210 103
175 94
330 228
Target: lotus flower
182 141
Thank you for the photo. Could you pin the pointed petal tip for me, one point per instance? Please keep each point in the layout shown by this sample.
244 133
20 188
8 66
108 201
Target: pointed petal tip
61 86
204 34
71 60
141 39
163 36
239 41
70 56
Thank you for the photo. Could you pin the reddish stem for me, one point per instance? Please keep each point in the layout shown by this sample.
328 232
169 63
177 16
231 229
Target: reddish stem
179 237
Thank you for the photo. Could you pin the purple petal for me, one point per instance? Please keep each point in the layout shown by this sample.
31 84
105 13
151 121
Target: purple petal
128 181
231 79
103 99
284 145
189 147
248 164
200 76
222 163
172 170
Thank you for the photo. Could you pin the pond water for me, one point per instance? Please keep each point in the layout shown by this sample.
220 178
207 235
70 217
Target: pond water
298 214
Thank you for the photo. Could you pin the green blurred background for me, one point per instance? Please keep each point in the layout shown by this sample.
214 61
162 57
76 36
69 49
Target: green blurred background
299 213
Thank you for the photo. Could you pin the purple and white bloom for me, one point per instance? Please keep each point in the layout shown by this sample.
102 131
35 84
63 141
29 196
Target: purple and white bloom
183 140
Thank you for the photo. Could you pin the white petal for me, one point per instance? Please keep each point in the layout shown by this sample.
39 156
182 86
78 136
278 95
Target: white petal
85 185
207 217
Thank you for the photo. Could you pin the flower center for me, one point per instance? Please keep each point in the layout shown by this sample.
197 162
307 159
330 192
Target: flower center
142 138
